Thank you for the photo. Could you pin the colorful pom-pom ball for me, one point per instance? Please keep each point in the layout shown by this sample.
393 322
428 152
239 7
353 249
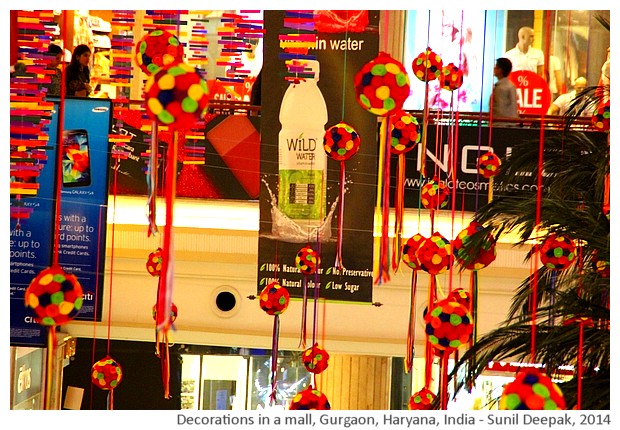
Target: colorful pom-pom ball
448 325
601 119
557 252
461 296
451 77
422 400
154 263
274 299
157 49
410 248
532 390
382 85
306 260
55 296
427 66
106 373
434 255
601 266
176 96
476 259
174 312
435 195
405 133
315 359
310 399
489 164
341 142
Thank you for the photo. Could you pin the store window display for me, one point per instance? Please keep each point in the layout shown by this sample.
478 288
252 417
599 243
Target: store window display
524 56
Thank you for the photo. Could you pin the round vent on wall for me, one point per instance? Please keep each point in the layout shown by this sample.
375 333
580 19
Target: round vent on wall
225 301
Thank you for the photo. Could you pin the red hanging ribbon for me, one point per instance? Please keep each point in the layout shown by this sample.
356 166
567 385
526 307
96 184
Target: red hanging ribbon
338 264
399 211
411 329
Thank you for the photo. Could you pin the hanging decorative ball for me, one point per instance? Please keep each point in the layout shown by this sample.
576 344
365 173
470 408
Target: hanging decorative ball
489 164
55 296
476 259
382 85
410 249
306 260
435 195
427 66
422 400
405 133
157 49
176 96
315 359
532 390
434 254
557 252
451 77
600 265
274 298
174 312
154 263
448 325
341 142
106 373
461 296
601 119
310 399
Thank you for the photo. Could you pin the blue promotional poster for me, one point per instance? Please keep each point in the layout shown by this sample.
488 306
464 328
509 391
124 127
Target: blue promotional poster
82 217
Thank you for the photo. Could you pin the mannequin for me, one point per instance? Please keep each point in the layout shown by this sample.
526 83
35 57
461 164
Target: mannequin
525 57
562 103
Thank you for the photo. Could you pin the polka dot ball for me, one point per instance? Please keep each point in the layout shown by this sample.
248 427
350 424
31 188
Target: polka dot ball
157 49
451 77
410 249
477 258
405 133
427 66
306 260
448 325
106 373
601 119
154 263
55 296
310 399
315 359
461 296
382 85
489 164
174 312
341 142
557 252
274 299
422 400
435 195
434 254
532 390
176 96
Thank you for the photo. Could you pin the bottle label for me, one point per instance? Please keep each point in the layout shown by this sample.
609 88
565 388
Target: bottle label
300 194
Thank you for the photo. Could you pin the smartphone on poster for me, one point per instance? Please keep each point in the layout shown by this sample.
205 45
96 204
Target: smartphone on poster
75 158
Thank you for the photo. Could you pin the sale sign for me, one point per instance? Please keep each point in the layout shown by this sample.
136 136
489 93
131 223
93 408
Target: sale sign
533 94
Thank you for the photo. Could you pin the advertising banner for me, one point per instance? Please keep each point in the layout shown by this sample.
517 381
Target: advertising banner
295 168
82 218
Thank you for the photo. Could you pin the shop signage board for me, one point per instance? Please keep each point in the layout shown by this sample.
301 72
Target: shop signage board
533 94
277 251
82 218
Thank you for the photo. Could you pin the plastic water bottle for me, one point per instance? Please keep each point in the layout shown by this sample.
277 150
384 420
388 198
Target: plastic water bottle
302 161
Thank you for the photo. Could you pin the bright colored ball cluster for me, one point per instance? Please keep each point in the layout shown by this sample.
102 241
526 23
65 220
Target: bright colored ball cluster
489 164
315 359
448 325
158 49
461 296
601 266
155 262
55 296
410 248
482 256
427 66
176 96
382 85
310 399
274 299
451 77
174 312
557 252
341 142
405 133
435 195
601 119
434 254
306 260
106 373
422 400
532 390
